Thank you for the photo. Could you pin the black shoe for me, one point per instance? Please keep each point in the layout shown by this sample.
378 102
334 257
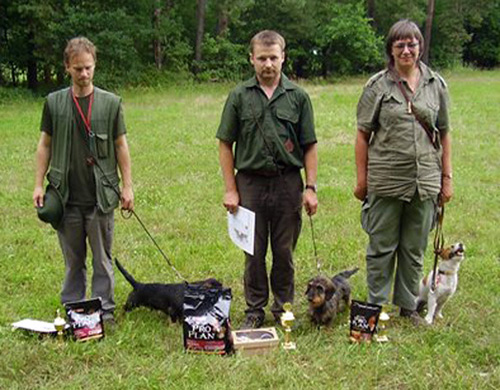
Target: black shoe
413 316
252 321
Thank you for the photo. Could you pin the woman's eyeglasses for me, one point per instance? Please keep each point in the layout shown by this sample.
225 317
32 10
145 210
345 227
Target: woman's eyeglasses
401 46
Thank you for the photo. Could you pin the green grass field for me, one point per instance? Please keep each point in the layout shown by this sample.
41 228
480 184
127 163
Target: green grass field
178 189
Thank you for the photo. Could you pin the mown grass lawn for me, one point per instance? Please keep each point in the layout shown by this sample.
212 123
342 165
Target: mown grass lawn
178 189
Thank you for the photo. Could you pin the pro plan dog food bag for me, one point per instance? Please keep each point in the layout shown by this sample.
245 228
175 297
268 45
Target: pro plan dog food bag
85 319
207 326
363 321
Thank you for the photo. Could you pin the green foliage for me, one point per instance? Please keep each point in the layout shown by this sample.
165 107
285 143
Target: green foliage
222 60
347 42
484 48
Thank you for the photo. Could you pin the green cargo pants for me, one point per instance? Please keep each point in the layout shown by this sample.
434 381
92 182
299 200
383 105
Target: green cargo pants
398 230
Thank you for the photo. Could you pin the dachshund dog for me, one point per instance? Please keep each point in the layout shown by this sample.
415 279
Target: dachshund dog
327 297
446 282
169 298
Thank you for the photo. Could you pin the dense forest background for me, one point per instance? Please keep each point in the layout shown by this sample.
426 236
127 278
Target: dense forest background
150 42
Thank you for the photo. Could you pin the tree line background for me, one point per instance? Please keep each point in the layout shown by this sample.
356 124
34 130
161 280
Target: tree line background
150 42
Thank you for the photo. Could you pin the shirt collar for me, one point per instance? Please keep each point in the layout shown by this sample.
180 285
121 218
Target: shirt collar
426 73
284 83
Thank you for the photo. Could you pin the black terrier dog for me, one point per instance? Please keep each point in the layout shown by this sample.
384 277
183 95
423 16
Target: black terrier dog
169 298
327 297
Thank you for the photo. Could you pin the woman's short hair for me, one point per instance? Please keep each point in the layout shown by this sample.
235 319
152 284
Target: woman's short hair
403 29
267 38
78 45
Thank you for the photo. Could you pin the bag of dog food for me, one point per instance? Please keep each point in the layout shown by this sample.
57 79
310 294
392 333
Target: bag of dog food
207 327
363 321
85 319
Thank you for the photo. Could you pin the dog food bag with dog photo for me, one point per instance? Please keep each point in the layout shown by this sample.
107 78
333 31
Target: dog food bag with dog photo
85 319
206 320
363 321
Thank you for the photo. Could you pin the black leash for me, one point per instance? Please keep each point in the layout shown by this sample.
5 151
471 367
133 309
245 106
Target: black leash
318 262
438 240
126 214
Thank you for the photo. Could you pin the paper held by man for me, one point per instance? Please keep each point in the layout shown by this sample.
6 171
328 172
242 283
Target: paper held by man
241 227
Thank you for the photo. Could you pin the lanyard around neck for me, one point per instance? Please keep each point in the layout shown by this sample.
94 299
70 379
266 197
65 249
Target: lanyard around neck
86 120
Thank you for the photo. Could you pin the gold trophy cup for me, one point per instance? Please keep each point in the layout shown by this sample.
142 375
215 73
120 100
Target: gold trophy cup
287 320
59 324
383 322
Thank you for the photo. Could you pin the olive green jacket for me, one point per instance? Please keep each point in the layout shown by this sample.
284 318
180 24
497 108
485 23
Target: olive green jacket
104 112
401 158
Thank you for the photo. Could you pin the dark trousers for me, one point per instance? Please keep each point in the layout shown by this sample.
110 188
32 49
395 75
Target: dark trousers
277 203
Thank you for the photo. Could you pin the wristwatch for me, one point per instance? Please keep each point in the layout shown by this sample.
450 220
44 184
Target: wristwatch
312 187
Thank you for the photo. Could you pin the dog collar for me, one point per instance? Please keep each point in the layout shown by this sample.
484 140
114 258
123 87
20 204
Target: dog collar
446 272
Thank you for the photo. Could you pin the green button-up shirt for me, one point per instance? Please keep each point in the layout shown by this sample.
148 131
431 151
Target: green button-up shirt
264 129
401 157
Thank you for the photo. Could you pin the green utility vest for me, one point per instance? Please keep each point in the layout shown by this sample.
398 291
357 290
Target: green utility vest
104 112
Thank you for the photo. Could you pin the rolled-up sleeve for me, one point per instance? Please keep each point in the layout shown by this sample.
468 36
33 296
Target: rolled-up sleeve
443 119
228 128
368 110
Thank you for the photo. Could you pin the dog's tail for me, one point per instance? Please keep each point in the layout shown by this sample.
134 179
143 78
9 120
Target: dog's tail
129 277
347 274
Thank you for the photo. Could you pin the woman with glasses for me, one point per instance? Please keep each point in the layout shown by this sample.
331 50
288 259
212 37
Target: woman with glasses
403 161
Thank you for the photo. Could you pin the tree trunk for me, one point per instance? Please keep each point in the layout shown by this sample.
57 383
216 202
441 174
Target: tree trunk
200 28
158 52
32 63
370 9
222 22
428 30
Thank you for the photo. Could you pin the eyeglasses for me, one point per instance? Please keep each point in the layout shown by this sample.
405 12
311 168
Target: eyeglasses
401 46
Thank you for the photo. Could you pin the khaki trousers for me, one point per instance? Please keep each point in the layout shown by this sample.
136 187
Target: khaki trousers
398 232
78 225
277 203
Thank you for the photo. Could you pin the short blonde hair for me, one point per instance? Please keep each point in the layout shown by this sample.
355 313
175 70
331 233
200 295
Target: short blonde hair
78 45
267 38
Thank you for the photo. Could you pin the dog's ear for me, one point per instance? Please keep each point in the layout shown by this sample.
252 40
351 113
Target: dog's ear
309 286
445 254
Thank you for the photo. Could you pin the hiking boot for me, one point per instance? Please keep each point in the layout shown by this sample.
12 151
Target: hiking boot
413 316
252 321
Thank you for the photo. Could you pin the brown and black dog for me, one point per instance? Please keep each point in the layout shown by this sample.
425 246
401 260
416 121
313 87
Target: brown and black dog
327 297
167 297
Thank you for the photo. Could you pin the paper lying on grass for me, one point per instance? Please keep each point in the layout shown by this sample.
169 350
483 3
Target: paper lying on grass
36 326
241 227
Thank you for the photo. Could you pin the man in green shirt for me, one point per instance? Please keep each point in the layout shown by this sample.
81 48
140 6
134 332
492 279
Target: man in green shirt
83 141
269 120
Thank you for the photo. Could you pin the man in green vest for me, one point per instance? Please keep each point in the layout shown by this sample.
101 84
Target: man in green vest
269 121
81 144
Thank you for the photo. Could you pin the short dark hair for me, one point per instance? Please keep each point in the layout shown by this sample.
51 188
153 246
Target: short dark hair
267 38
76 46
403 29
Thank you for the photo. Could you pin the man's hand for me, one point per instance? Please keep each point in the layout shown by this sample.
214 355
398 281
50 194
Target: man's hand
38 197
310 201
360 192
231 201
127 198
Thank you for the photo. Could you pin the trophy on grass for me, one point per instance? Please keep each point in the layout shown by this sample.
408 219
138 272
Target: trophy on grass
287 320
59 324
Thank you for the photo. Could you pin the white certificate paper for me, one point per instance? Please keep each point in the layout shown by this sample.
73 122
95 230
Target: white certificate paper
241 227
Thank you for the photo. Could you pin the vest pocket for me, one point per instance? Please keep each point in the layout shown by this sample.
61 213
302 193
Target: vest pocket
108 191
102 145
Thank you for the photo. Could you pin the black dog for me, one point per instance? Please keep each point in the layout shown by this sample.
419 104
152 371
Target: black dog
169 298
327 297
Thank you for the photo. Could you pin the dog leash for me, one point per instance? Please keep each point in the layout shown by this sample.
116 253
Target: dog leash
126 214
318 262
438 240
